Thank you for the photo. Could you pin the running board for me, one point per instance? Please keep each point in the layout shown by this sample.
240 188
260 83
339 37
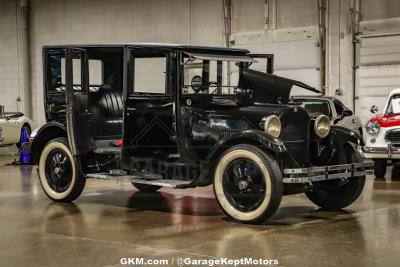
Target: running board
149 179
163 183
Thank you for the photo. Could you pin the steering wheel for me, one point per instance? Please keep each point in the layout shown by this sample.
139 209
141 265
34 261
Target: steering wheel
204 87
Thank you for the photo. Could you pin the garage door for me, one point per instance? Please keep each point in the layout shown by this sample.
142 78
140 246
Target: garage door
378 72
299 60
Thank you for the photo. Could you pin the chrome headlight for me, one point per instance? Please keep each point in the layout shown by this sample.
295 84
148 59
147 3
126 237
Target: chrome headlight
272 126
322 125
372 127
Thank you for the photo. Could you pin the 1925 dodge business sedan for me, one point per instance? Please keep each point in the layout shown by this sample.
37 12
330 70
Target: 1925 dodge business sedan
186 116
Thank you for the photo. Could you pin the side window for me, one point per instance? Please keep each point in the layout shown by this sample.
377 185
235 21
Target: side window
56 71
77 67
96 72
210 77
150 74
339 107
56 78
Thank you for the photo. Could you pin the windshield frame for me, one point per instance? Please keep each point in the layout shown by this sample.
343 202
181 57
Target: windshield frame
213 57
389 104
305 99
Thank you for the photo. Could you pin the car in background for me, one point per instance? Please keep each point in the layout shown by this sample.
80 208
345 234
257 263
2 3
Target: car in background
382 137
336 111
15 128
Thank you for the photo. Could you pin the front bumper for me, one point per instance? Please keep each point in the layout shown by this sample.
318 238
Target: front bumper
389 152
324 173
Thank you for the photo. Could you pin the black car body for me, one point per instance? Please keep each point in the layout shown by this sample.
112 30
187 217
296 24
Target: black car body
175 115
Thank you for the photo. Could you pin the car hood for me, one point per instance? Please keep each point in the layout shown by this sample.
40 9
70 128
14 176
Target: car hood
270 88
387 120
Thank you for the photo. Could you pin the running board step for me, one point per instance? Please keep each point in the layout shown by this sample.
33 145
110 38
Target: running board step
149 179
163 183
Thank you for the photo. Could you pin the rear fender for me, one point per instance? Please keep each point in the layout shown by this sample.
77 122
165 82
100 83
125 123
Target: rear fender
40 136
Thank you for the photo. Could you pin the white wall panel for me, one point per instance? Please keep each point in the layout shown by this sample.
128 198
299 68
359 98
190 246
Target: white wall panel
9 71
123 21
296 59
378 72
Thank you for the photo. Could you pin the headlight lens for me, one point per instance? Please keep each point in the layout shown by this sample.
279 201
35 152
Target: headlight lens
272 126
372 127
322 125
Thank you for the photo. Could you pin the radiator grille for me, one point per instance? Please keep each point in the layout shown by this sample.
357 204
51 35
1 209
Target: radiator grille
295 133
393 136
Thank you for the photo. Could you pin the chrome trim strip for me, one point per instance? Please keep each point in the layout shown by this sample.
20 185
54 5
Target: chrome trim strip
390 150
314 174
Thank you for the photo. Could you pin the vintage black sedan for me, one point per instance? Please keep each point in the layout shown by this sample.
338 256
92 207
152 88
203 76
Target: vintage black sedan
182 116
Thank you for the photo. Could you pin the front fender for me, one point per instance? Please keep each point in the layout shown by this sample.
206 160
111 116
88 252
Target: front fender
332 150
344 135
255 137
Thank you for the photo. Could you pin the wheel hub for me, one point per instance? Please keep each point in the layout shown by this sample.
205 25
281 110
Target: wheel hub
243 185
58 170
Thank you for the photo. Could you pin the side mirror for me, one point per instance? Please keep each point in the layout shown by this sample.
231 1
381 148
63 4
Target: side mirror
347 112
374 109
245 97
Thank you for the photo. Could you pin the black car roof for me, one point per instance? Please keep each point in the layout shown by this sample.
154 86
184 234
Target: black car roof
157 46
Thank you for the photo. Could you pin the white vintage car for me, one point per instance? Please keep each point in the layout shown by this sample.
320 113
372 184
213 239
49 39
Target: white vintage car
15 128
337 112
382 137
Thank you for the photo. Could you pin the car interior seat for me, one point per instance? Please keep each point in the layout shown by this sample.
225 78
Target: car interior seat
106 107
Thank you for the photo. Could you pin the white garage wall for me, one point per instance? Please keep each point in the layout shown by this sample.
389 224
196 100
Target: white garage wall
122 21
9 78
286 28
186 21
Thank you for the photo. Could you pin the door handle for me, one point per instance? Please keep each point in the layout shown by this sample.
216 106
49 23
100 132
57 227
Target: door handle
130 110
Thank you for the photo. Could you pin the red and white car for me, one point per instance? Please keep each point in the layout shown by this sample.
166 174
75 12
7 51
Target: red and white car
382 137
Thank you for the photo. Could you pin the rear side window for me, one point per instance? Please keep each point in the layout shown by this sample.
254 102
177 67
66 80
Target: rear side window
56 72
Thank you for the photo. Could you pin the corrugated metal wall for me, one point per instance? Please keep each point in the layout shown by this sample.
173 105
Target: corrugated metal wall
378 72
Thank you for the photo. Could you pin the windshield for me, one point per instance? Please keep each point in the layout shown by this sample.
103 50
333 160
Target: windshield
315 106
205 74
394 105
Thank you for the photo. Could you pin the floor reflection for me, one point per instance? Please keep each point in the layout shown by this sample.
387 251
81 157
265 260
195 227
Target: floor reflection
173 203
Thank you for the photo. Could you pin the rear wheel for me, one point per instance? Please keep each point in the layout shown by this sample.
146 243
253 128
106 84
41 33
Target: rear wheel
338 194
248 184
59 172
380 168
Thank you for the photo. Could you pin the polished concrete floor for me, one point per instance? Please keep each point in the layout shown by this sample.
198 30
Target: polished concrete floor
111 220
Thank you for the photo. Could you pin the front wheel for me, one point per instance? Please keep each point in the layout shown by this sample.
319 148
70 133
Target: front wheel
248 184
338 194
60 174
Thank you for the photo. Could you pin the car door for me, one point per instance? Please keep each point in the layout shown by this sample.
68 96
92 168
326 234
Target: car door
149 122
76 85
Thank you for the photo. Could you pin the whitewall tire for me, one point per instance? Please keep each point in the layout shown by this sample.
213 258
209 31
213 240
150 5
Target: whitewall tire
59 173
248 184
